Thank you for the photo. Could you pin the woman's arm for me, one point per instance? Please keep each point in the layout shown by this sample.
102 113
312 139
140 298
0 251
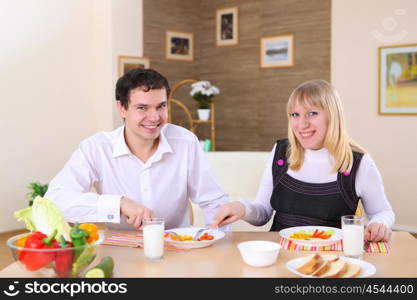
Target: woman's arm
256 213
370 188
260 211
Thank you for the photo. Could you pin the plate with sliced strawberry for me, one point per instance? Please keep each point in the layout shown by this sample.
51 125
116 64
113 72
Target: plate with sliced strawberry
312 235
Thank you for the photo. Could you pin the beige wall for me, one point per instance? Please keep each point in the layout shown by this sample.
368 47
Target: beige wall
56 81
127 39
391 140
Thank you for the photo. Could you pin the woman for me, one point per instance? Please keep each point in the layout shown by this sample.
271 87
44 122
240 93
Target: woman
318 174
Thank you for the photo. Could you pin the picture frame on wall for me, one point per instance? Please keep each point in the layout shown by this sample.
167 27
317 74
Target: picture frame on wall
227 26
127 63
397 84
179 45
277 51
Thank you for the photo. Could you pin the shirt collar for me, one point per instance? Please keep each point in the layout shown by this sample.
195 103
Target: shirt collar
164 146
120 147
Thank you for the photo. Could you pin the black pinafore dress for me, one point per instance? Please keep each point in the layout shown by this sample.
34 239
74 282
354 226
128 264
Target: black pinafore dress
298 203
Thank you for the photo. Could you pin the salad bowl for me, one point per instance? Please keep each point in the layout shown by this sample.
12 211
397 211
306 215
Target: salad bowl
53 261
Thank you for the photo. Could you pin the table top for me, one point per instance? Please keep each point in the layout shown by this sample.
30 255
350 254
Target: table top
223 259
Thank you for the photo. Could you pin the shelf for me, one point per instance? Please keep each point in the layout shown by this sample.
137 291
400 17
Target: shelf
193 123
201 121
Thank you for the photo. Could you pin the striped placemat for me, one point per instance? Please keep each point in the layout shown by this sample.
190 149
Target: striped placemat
135 241
370 247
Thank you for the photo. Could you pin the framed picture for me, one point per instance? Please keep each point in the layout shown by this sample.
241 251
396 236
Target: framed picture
398 80
179 45
127 63
277 51
227 26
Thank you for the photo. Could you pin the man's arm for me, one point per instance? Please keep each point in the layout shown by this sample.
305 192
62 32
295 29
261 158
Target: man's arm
71 191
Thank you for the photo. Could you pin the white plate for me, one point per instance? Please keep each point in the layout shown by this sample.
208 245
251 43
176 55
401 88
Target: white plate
217 234
286 233
367 268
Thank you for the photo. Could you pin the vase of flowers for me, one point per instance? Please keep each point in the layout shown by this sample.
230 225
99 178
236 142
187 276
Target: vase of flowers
203 92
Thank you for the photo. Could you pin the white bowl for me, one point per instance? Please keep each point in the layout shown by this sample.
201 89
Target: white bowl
259 253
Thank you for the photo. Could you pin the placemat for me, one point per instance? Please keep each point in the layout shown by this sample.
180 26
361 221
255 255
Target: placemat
135 241
370 247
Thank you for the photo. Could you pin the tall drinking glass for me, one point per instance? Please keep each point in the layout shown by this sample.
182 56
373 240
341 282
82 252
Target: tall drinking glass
353 235
153 238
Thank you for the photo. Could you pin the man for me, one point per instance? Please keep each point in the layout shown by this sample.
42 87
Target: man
142 169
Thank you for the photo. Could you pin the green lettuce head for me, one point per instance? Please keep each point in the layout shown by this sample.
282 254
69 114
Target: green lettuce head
44 216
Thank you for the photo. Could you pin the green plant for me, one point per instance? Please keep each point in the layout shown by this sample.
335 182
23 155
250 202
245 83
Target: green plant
37 189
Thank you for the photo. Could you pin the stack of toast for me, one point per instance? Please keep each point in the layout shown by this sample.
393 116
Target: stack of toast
328 266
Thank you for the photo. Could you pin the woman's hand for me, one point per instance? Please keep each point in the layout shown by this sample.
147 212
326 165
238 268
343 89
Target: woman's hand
376 232
228 213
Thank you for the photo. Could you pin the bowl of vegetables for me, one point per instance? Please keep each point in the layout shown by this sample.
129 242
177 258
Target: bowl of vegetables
53 248
52 256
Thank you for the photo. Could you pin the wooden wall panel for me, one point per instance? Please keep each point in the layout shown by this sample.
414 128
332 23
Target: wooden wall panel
251 109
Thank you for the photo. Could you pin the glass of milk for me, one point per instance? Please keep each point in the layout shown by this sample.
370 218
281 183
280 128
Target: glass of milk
153 238
353 235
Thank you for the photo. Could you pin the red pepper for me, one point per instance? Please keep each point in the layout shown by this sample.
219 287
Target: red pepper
64 258
34 260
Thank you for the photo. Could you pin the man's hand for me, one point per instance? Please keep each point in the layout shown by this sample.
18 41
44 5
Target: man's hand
228 213
134 212
376 232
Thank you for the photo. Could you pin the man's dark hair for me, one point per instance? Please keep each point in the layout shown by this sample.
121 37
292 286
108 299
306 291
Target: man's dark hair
146 79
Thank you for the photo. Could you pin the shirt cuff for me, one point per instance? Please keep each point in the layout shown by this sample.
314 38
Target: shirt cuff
108 208
379 220
248 208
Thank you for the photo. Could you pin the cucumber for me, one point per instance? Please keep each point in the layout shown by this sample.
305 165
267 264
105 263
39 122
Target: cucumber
103 270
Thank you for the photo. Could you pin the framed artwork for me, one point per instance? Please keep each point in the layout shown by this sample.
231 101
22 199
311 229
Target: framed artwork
398 80
179 45
127 63
277 51
227 26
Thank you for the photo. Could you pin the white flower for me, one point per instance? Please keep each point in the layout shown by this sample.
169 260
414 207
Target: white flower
205 88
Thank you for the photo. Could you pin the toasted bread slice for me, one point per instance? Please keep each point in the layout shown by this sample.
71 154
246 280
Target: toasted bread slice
353 270
330 257
321 269
336 269
311 264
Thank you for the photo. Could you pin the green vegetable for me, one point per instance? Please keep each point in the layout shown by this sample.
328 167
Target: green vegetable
45 217
37 189
103 270
85 258
26 216
78 237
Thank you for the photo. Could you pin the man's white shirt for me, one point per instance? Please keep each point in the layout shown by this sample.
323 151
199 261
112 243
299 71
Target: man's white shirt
176 172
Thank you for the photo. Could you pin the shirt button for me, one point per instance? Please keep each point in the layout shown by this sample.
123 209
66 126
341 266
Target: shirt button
110 217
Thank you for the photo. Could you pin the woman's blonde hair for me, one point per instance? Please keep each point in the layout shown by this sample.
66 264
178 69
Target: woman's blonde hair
321 94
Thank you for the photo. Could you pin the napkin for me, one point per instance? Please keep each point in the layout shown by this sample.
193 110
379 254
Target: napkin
135 241
370 247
